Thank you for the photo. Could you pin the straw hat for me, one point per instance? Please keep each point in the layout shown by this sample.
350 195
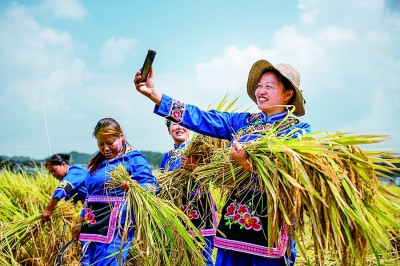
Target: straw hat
287 71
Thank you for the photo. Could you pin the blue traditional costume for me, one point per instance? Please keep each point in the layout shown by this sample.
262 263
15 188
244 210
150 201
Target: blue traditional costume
73 184
105 210
242 231
198 204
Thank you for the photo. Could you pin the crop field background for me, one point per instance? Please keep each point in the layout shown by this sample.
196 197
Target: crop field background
26 240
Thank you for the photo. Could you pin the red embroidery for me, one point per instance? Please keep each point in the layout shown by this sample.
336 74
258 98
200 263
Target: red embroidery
241 214
89 216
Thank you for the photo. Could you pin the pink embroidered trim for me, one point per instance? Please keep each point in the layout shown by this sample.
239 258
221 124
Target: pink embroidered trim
256 249
176 111
205 232
96 198
111 229
213 212
209 232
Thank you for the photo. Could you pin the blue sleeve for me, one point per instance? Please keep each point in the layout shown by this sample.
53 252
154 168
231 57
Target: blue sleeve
140 170
212 123
164 162
73 183
297 130
62 189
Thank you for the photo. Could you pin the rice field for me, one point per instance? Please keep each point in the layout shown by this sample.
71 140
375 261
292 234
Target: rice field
25 240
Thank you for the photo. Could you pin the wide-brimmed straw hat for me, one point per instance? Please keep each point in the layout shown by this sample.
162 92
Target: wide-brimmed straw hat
287 71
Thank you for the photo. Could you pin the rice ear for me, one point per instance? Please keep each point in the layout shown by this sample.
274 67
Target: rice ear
161 236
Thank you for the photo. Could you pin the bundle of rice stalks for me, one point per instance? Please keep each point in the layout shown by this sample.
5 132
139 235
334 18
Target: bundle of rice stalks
176 183
24 239
201 149
161 236
326 177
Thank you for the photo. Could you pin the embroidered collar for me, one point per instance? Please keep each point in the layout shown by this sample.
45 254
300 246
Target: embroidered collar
180 146
274 117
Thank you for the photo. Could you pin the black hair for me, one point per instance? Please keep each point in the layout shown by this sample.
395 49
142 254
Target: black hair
58 159
168 123
106 126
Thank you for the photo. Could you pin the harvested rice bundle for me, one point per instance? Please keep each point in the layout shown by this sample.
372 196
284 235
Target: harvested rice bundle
24 239
161 236
174 184
28 239
326 177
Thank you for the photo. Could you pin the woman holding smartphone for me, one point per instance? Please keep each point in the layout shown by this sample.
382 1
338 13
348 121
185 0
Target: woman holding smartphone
274 89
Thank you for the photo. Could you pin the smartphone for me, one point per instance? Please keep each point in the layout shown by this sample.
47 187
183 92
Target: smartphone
147 64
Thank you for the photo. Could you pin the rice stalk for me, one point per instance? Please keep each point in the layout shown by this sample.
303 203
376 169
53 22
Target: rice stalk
161 236
24 239
327 177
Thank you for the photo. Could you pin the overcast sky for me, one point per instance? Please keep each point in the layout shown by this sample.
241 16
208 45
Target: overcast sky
65 64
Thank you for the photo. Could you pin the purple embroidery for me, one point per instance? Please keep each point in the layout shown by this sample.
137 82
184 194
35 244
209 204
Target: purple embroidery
208 232
116 201
273 252
177 111
256 126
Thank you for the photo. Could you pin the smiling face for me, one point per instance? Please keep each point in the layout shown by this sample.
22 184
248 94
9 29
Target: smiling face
58 171
271 92
109 145
178 133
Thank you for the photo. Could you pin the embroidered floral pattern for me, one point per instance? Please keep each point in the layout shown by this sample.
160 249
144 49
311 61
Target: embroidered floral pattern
249 222
190 212
173 156
63 184
257 126
243 215
177 110
89 216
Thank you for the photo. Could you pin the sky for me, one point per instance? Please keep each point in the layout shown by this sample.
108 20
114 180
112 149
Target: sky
65 64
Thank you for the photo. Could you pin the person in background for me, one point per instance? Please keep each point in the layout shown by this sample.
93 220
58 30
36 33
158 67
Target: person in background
198 204
242 235
72 181
104 215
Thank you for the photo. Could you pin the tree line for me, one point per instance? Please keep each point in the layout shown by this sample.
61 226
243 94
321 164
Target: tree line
21 163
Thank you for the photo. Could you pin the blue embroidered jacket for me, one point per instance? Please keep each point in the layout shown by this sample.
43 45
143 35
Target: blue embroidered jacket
172 159
244 222
73 184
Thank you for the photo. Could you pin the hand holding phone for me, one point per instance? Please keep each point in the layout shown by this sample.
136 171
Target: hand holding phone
147 64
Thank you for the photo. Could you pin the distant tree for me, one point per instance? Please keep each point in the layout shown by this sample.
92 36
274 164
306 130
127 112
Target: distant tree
154 158
83 159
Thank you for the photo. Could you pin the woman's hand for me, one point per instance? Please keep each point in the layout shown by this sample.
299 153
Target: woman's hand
147 87
46 215
76 232
125 186
239 155
188 163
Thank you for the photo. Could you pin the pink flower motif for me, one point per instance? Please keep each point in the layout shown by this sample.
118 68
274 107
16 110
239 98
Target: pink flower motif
89 216
242 209
236 217
250 222
231 209
177 115
192 214
260 127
